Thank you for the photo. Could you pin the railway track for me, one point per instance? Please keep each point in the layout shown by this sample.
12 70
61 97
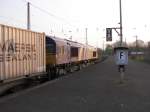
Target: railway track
27 83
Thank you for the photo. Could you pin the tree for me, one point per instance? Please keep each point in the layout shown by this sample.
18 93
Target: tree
117 44
109 49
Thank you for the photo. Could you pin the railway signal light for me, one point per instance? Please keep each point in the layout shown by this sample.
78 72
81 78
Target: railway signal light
108 34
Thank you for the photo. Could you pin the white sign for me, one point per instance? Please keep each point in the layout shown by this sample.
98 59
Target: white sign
121 57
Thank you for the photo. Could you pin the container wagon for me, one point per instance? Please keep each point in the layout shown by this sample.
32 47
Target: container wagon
22 53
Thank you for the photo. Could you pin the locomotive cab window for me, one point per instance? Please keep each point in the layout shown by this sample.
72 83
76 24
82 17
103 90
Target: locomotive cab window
50 46
94 54
74 51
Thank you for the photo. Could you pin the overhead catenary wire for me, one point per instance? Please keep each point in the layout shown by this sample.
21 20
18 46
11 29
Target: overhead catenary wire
49 13
66 26
11 19
19 22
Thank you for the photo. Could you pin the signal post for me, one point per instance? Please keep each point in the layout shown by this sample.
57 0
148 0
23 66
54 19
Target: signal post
121 53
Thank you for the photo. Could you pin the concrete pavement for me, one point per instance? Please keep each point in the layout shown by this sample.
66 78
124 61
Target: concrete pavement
93 89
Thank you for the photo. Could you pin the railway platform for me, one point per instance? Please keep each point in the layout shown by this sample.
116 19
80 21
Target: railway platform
93 89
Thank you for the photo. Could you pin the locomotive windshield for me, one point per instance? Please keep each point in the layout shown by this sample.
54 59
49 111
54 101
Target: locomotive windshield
50 46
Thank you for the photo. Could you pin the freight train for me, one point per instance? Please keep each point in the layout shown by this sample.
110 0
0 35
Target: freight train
25 53
62 54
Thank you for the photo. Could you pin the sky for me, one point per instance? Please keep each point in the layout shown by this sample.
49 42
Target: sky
69 18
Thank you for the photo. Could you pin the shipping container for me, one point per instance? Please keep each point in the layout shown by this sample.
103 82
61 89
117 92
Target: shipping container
22 53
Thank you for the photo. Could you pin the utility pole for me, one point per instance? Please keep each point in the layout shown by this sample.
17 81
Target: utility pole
86 39
28 16
103 44
136 42
121 34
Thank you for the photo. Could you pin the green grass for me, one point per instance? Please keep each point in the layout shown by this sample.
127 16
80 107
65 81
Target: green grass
137 58
140 59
